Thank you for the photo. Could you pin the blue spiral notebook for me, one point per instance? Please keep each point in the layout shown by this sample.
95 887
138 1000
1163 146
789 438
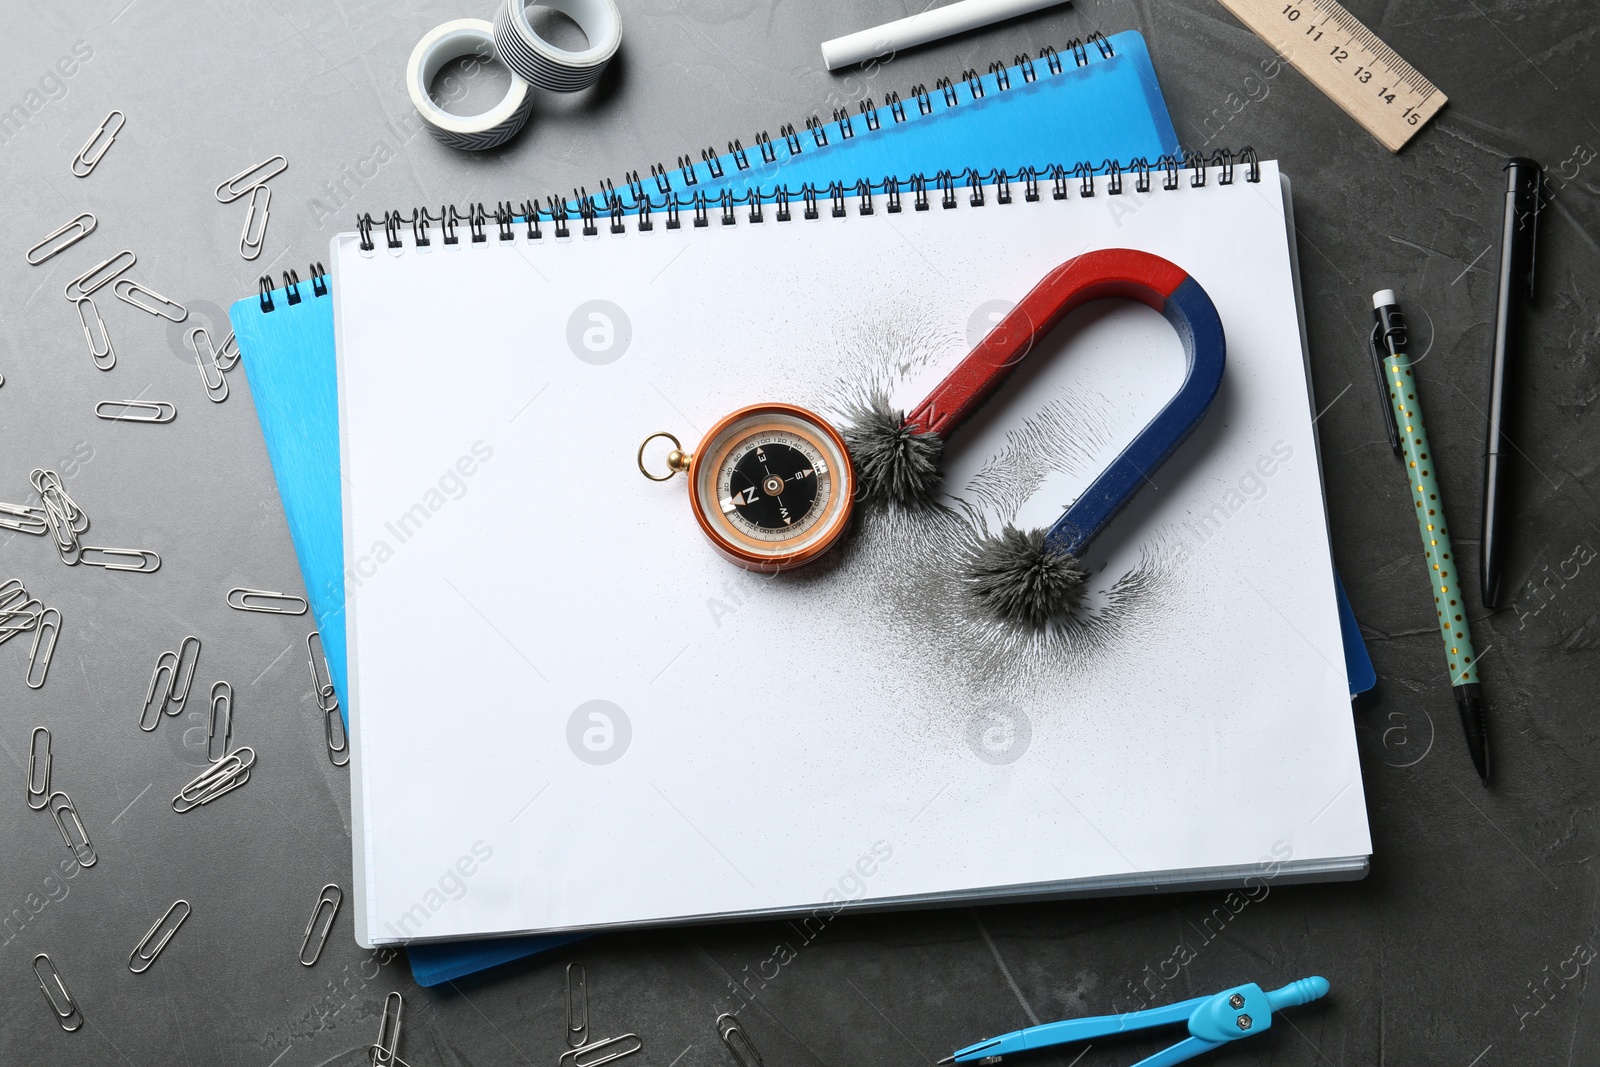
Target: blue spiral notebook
1094 102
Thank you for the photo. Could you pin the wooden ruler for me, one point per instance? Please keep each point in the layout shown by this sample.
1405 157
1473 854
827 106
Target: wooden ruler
1346 61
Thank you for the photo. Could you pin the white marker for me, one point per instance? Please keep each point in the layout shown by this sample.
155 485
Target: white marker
920 29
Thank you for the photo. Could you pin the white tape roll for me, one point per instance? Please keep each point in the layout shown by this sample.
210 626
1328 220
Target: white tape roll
453 40
541 63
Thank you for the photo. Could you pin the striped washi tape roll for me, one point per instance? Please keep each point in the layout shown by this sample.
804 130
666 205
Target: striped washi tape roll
541 63
454 40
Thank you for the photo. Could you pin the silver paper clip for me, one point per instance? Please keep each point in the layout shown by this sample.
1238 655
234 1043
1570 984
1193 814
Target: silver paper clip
200 344
321 680
68 234
728 1029
39 784
182 675
328 701
282 603
20 518
14 601
20 620
331 900
224 784
247 179
83 853
340 745
15 616
227 356
137 560
56 499
166 670
95 333
83 163
233 764
66 519
139 960
99 275
50 486
136 411
376 1054
383 1053
584 1056
216 391
66 537
577 1020
221 701
129 292
260 206
63 1017
224 776
39 665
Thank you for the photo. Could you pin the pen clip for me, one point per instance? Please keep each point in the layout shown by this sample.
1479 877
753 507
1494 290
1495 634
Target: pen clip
1383 388
1527 188
1533 222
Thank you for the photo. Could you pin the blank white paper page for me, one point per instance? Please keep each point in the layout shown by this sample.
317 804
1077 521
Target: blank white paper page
568 711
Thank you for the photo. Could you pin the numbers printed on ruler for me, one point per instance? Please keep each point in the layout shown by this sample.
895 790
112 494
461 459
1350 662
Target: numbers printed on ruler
1363 73
1346 61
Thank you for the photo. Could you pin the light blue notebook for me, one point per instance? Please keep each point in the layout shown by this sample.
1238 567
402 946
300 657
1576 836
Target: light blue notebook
1090 103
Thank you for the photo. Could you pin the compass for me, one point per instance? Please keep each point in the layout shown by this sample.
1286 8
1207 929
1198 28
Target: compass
771 485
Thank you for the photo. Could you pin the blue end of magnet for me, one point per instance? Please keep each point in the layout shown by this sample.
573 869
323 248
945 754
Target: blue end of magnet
1192 314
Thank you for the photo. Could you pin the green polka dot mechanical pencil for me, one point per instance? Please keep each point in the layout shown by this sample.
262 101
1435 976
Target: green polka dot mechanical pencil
1409 439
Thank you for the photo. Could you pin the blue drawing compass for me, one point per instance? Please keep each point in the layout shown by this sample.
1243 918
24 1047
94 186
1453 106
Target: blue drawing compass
1231 1015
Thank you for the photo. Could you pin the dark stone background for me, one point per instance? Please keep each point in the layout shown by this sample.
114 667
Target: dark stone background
1468 944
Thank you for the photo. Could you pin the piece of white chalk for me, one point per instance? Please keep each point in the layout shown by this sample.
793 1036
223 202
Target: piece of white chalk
920 29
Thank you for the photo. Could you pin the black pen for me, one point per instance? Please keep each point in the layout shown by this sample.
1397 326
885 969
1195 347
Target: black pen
1403 401
1518 234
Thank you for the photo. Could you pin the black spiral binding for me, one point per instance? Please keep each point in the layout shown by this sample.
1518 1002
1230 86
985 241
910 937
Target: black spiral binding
817 133
291 282
640 204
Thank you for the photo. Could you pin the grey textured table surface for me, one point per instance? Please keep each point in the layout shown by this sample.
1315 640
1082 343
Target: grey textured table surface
1470 942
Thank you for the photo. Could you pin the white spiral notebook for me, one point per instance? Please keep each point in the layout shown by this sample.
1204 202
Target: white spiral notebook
569 712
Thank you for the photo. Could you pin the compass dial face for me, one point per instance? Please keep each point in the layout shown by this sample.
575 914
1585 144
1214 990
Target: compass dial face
772 486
